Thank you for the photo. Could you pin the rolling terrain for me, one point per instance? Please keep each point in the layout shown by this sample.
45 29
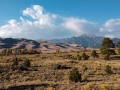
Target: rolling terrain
44 46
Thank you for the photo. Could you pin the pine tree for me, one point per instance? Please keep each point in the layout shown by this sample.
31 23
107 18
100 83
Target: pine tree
107 47
118 43
107 43
118 46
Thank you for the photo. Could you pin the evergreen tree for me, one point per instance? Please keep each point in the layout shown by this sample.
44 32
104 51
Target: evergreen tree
118 46
107 47
107 43
118 43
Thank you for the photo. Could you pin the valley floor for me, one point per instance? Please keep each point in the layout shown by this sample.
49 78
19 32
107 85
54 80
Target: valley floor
44 74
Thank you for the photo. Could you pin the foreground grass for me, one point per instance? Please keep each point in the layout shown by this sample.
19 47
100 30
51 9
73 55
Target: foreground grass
42 74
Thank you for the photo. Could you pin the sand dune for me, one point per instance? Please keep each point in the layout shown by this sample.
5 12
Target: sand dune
44 46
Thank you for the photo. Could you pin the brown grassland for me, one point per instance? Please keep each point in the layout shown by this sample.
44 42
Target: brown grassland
44 74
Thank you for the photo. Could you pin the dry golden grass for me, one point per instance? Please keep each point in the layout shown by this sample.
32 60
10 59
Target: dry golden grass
42 75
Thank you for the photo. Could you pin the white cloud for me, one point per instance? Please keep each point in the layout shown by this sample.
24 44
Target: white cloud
35 23
110 36
30 28
111 28
80 26
37 13
34 12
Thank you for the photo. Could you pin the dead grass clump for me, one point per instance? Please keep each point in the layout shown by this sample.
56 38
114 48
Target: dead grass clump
50 88
54 71
89 86
85 77
69 56
105 87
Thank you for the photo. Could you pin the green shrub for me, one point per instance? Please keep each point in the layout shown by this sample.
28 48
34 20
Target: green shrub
84 56
74 75
112 52
59 67
107 57
108 69
118 50
4 52
15 61
27 63
108 51
94 54
79 57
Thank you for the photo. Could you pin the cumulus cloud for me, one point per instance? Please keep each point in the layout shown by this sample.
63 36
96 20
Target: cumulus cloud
35 23
34 12
38 26
80 26
111 28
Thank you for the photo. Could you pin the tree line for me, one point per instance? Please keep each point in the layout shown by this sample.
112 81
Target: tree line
19 51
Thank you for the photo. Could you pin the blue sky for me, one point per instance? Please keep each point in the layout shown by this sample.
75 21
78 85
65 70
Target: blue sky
59 18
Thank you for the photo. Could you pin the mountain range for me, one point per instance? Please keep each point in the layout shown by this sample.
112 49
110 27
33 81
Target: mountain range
66 44
85 40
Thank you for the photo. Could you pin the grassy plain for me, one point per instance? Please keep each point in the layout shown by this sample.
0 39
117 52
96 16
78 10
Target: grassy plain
43 73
